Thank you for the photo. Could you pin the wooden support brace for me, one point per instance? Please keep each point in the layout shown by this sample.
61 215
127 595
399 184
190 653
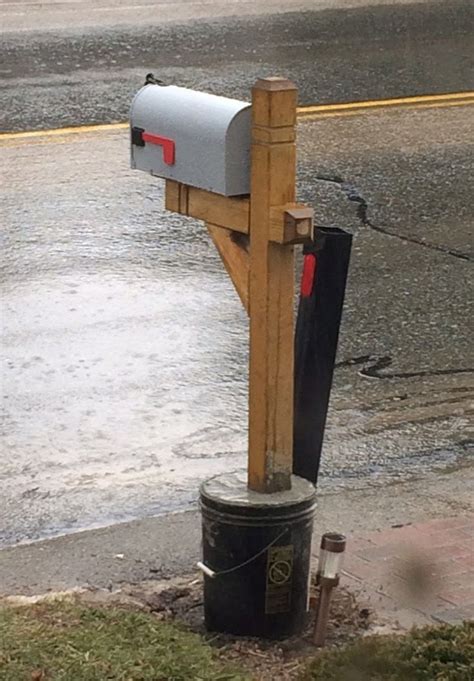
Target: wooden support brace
291 223
234 254
225 211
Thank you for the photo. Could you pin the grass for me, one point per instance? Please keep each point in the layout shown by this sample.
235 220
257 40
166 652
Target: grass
68 642
444 653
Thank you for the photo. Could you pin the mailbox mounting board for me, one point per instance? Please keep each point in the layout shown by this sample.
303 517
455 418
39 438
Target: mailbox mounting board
192 137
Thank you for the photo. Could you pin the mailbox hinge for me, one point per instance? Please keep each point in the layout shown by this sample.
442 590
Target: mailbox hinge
137 137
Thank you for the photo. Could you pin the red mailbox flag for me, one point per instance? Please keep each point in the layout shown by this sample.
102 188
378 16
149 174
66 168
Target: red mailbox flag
165 142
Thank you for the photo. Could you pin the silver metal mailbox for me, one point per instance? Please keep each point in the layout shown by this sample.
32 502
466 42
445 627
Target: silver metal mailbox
192 137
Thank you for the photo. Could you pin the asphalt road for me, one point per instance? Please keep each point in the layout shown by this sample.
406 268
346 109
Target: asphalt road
79 72
124 376
80 15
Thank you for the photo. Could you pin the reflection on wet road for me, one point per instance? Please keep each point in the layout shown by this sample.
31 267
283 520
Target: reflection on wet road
125 372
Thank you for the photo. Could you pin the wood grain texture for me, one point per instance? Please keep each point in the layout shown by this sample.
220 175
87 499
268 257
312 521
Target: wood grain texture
235 258
271 288
172 196
291 224
225 211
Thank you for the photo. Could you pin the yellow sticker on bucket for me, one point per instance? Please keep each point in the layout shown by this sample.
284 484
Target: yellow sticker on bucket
279 579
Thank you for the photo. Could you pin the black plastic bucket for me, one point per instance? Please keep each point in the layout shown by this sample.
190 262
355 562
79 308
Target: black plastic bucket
259 548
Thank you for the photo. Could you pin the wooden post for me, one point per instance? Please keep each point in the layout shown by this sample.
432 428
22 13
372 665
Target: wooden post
263 274
271 288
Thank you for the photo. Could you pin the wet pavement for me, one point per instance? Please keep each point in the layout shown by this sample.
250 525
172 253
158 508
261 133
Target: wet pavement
124 345
88 74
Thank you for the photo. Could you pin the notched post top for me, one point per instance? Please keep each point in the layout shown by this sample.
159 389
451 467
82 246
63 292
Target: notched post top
274 105
274 83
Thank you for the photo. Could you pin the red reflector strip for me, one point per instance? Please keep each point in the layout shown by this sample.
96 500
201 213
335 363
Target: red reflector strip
309 275
165 142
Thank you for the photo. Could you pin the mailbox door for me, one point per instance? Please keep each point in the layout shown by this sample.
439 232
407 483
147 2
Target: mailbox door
192 137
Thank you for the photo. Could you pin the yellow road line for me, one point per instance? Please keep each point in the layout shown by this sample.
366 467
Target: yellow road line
310 112
359 112
73 130
385 103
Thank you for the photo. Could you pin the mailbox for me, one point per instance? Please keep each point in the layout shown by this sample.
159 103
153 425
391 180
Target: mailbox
192 137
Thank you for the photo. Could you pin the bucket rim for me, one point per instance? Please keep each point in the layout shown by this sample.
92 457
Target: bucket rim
230 490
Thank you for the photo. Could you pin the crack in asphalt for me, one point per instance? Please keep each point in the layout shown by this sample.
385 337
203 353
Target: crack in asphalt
378 364
353 194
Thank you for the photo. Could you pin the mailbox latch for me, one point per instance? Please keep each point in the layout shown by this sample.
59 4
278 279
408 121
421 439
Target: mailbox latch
140 137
